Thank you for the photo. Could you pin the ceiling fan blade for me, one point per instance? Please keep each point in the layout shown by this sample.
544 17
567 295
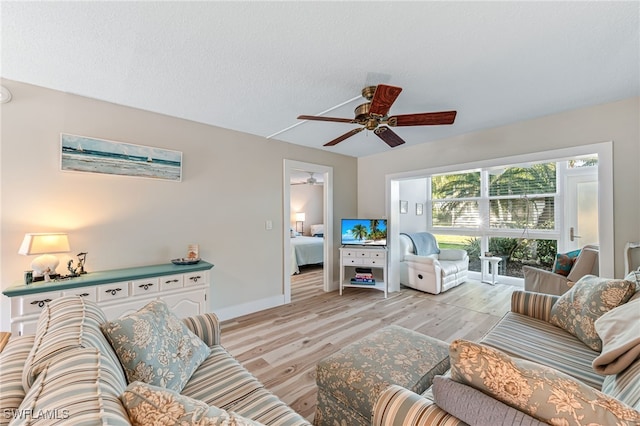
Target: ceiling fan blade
321 118
423 119
388 136
383 98
345 136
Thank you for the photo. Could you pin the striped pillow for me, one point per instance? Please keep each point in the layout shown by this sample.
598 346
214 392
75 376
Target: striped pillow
75 388
65 324
11 364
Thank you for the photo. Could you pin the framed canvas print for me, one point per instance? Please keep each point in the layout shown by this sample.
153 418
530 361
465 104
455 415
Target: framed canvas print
91 155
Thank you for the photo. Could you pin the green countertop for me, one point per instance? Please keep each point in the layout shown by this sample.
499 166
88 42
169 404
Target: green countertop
105 277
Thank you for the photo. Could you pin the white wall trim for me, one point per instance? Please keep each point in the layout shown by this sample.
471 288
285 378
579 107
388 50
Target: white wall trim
236 311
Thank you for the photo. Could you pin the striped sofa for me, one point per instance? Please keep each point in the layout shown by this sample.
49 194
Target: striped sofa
523 333
68 373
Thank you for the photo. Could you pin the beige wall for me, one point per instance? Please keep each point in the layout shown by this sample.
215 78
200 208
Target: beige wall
618 122
232 183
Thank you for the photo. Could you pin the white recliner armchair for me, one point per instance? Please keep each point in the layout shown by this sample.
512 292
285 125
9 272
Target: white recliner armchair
432 273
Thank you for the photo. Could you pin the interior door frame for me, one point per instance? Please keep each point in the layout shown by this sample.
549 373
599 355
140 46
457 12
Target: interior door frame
327 217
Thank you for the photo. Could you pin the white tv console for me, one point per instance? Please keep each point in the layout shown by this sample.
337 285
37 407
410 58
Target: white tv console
375 258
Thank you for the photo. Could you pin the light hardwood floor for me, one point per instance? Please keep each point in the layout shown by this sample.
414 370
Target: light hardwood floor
281 346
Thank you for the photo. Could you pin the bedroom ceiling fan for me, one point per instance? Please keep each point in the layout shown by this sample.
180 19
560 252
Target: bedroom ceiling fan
310 180
373 115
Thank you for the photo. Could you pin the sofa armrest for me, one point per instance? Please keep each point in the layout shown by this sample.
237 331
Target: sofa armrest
452 254
542 281
534 305
206 327
397 406
420 259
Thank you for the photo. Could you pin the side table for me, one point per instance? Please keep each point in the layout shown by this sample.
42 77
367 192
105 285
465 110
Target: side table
485 261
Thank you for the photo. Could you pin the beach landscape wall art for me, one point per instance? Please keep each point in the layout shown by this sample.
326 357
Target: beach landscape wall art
91 155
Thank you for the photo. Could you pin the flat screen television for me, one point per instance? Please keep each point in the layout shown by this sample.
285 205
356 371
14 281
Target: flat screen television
364 232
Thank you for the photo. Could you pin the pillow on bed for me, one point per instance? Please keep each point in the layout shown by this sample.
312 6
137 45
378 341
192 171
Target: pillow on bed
317 230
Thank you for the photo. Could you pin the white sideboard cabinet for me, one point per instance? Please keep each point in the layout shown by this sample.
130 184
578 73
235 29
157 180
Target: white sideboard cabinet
353 259
118 292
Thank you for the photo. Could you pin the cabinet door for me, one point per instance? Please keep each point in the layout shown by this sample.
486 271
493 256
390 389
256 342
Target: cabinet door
187 303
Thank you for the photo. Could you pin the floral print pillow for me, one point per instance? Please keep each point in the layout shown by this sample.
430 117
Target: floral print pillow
151 405
542 392
154 346
578 309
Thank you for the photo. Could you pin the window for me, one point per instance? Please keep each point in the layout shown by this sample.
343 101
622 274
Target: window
509 211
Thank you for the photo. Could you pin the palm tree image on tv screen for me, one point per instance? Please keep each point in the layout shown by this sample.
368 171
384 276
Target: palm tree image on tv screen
364 232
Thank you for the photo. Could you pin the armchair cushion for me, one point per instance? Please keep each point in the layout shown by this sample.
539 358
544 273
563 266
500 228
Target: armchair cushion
537 390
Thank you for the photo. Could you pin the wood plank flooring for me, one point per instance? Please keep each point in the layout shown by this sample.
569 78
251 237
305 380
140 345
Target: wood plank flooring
281 346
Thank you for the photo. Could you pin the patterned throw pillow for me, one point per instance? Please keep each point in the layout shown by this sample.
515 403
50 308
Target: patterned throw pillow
578 309
151 405
564 262
155 347
542 392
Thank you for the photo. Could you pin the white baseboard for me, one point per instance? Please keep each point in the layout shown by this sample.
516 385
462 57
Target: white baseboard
231 312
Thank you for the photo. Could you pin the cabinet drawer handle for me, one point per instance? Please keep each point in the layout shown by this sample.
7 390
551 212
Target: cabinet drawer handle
113 291
145 286
171 281
40 303
195 279
83 294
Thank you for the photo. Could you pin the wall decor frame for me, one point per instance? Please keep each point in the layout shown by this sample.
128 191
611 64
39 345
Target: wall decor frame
404 207
92 155
419 209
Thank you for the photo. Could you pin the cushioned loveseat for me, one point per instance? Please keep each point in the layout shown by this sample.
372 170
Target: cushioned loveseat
562 360
146 368
426 267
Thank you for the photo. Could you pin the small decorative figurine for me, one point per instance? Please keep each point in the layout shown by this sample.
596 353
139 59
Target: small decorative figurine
79 269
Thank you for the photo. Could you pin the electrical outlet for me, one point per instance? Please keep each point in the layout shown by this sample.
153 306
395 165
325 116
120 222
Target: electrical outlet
268 225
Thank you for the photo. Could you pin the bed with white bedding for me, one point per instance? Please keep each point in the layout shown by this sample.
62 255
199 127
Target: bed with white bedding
306 251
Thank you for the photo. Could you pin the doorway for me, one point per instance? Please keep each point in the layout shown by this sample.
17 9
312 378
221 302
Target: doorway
581 211
325 174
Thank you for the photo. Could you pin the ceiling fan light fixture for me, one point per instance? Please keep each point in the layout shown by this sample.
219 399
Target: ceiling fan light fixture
375 112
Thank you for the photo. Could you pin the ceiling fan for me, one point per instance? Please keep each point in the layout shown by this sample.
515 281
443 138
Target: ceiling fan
373 115
310 180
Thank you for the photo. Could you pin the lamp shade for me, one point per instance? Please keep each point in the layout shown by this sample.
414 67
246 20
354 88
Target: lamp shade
299 217
44 243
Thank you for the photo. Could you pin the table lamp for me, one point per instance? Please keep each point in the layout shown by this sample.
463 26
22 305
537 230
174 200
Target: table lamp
300 220
44 244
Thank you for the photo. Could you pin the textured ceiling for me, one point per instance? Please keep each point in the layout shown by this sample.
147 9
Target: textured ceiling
255 66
